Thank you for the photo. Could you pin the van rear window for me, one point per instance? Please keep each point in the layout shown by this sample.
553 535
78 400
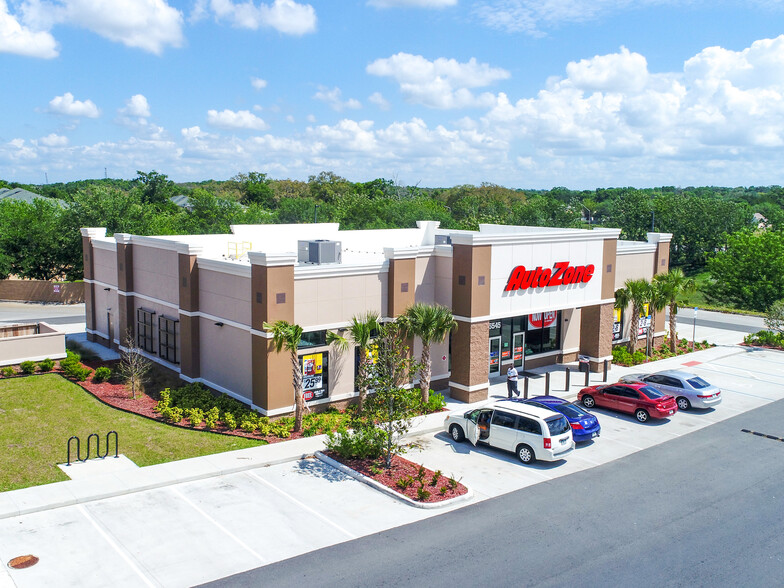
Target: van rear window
558 425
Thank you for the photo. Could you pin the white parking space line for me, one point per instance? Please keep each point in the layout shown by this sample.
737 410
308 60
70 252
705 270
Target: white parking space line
302 505
236 539
121 552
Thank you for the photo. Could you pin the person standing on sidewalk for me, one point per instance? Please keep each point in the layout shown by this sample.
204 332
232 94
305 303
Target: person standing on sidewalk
511 381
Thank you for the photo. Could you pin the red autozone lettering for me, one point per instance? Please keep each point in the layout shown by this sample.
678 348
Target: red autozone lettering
562 274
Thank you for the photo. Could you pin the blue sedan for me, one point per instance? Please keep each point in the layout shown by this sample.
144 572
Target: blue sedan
585 426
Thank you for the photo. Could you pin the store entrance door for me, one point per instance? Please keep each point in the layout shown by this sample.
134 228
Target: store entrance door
518 352
495 357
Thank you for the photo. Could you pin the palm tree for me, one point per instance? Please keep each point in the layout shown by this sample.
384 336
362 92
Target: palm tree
675 285
287 336
657 301
361 332
432 323
634 293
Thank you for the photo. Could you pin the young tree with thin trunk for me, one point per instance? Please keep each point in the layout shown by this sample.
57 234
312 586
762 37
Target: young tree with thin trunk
657 301
286 336
133 366
360 332
432 323
675 285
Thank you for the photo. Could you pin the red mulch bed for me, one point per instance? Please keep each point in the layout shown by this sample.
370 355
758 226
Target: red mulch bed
404 469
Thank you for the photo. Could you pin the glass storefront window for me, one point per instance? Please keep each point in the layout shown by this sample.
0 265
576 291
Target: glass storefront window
313 339
506 340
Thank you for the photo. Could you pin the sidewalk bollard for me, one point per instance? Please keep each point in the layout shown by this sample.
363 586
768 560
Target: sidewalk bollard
606 369
547 384
525 388
587 375
568 380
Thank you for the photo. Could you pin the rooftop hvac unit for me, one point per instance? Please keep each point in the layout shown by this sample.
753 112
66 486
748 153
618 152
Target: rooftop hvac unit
319 251
443 240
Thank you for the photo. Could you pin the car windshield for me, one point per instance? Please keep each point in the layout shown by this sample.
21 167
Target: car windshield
572 411
558 425
651 392
698 382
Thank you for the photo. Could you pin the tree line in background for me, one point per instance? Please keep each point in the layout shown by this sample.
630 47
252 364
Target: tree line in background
713 228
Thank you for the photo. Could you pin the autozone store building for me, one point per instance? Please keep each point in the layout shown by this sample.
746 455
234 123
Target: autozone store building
523 296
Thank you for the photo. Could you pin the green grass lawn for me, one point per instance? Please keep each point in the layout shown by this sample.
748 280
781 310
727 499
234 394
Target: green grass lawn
38 414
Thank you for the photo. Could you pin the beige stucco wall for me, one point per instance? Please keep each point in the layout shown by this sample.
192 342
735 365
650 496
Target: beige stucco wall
570 329
334 300
105 302
224 295
443 290
49 343
225 357
633 267
425 280
105 266
156 273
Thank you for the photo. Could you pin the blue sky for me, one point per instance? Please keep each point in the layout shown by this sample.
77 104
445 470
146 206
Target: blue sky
521 93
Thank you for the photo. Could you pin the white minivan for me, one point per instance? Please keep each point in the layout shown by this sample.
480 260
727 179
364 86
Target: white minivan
528 431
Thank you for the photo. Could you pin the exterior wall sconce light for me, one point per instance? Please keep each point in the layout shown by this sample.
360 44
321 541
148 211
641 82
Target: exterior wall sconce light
219 324
107 289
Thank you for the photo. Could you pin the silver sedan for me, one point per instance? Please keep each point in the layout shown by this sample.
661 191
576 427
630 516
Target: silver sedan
689 390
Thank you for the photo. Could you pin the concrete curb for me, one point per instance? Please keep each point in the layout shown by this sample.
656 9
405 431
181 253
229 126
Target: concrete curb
388 491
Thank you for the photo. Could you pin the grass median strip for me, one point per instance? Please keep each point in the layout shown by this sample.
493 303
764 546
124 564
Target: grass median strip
38 414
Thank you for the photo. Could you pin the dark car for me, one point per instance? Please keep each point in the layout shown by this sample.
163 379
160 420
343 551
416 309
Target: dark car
585 426
641 400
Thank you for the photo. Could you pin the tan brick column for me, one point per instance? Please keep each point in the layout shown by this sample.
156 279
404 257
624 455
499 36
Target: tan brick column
470 301
190 338
401 286
88 234
126 318
272 299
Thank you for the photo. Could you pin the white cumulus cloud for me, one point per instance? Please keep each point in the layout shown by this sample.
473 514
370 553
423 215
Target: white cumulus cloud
150 25
378 99
241 119
66 104
53 140
22 40
334 98
137 106
285 16
258 83
441 83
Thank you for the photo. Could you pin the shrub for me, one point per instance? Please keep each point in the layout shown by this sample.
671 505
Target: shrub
435 478
435 403
46 365
102 374
229 421
211 417
195 416
443 490
248 424
359 444
172 414
639 357
164 402
27 367
453 483
8 371
423 494
404 483
421 473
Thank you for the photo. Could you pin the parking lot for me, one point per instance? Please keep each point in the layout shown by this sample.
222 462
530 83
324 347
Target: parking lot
185 533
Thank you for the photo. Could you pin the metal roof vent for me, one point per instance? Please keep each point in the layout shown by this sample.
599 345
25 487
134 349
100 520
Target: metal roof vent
319 251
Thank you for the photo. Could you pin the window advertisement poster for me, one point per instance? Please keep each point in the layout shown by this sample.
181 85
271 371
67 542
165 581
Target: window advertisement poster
314 380
645 321
542 320
617 324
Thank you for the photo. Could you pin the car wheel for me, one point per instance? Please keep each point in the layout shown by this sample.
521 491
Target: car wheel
641 415
683 403
456 432
526 454
588 401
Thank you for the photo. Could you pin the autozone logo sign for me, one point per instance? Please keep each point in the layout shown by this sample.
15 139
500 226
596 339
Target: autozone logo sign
561 274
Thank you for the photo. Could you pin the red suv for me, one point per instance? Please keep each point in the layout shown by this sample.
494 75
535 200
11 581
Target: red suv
642 401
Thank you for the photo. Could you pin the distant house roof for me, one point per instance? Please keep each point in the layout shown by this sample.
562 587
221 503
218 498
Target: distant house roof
24 196
182 201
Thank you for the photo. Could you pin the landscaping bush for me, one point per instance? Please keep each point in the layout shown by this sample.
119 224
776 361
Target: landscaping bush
359 444
46 365
27 367
435 403
195 416
102 374
8 371
172 414
211 417
229 421
766 339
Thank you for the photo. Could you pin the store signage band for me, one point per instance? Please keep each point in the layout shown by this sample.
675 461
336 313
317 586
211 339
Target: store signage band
561 274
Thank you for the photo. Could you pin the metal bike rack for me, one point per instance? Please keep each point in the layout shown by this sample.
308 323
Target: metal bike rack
97 446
